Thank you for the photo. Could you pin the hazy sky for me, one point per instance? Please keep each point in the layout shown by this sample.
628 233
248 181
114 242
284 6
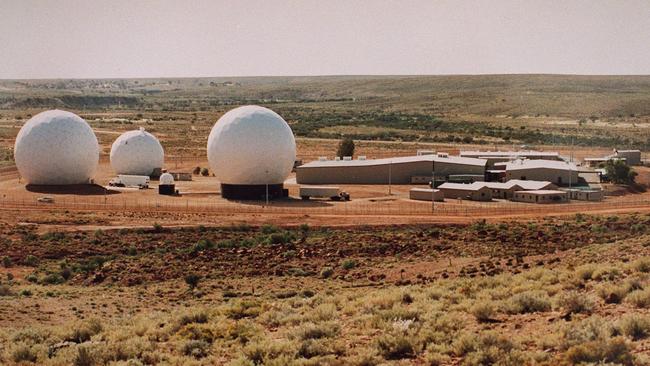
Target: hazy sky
138 38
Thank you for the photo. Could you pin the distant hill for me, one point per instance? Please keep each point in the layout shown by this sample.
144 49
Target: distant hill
489 95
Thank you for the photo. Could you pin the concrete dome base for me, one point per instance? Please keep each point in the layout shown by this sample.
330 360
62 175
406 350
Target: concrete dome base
253 191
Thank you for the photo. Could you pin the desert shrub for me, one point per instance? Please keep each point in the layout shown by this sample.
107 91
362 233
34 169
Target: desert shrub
634 326
25 292
364 357
642 265
84 357
6 262
486 349
640 298
31 261
204 244
397 346
196 170
157 228
196 348
205 172
483 311
52 279
192 280
612 293
349 264
280 238
243 309
574 303
606 273
192 317
264 352
5 290
317 331
585 272
311 348
528 302
23 353
31 278
326 272
82 332
269 229
591 329
614 351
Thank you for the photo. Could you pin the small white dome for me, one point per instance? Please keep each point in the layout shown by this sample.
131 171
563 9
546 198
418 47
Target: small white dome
56 147
251 145
137 152
166 179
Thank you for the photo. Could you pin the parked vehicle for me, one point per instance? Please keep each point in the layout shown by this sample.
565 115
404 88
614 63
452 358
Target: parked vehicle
333 193
123 180
45 199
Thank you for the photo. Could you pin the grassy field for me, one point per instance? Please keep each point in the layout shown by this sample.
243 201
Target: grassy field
559 291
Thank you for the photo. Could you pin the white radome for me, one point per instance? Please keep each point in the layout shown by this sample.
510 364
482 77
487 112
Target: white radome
56 148
137 153
251 145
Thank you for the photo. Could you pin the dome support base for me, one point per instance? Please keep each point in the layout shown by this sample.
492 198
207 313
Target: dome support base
253 191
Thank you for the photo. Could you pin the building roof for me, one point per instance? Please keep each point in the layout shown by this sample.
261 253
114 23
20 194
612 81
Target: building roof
395 160
542 192
606 158
540 164
529 185
426 190
508 154
476 186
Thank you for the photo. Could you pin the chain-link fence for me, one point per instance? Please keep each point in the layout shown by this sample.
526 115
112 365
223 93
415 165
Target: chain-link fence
397 207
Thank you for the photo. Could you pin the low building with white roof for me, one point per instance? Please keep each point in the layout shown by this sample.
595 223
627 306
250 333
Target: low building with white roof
397 170
560 173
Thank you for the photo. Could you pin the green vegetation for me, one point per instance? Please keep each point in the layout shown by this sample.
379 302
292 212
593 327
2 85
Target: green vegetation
619 172
346 148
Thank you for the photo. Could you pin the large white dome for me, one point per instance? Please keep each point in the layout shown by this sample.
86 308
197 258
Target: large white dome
56 147
136 152
251 145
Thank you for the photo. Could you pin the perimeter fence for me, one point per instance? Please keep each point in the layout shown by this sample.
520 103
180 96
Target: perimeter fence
393 207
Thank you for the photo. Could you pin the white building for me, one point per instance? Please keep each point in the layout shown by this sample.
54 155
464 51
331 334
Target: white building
558 172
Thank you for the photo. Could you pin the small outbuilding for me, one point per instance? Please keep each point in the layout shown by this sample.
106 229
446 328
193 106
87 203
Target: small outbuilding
426 194
541 196
506 190
476 191
632 157
585 194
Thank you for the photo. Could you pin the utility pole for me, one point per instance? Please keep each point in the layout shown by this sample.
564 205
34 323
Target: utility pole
433 183
390 176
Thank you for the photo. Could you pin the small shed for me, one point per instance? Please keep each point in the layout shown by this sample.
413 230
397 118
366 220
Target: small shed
476 191
586 194
426 194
